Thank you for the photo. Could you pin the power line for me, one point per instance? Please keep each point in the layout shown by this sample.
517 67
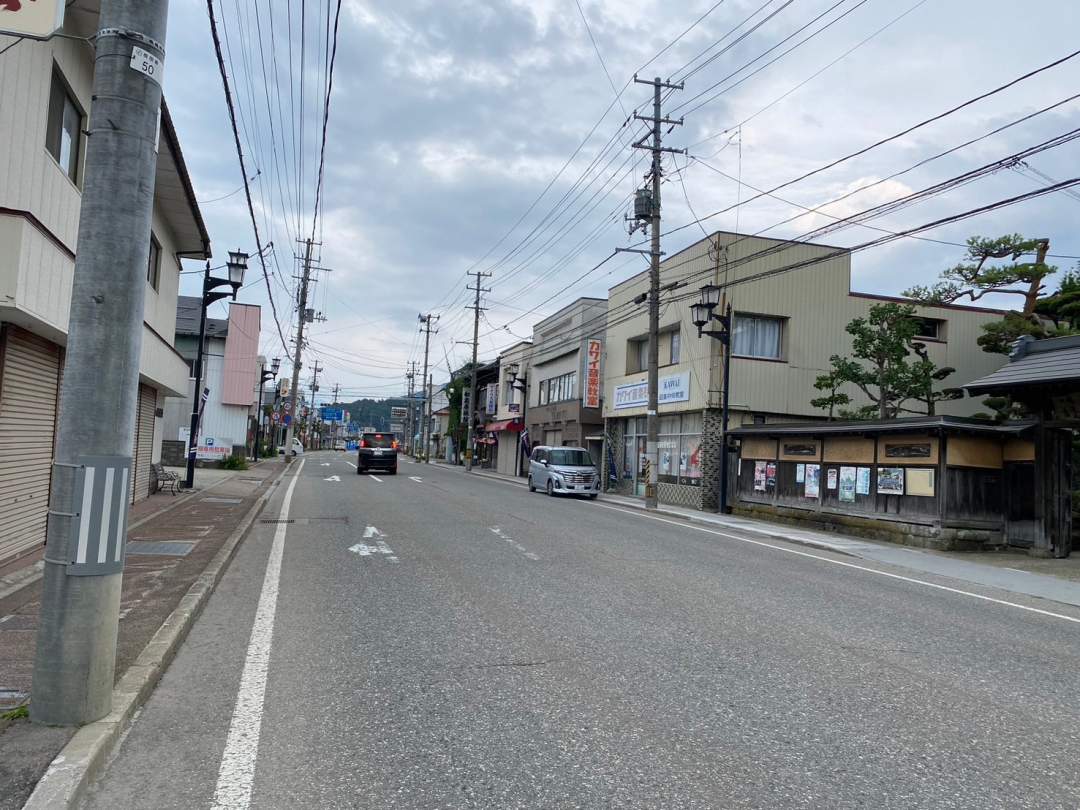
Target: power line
243 170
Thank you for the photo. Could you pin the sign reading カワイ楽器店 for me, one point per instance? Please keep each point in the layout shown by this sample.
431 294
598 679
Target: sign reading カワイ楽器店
31 18
673 388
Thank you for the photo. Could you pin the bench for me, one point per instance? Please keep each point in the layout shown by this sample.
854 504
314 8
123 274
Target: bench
164 480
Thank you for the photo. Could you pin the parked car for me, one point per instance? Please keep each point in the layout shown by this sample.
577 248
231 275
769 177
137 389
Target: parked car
377 451
339 445
297 448
563 471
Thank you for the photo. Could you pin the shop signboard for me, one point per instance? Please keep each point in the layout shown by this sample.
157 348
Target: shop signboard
672 388
593 351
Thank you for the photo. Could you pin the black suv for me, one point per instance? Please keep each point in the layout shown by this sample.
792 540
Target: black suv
378 451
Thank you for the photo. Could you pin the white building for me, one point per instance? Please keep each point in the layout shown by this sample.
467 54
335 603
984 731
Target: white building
43 116
230 379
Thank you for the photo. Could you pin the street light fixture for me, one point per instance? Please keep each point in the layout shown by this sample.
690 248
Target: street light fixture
235 266
264 375
702 314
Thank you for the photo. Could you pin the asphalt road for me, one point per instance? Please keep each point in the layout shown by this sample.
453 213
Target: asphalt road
484 647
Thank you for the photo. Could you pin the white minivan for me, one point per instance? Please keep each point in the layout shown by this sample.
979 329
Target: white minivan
563 471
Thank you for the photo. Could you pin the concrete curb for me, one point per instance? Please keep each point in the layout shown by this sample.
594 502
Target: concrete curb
86 754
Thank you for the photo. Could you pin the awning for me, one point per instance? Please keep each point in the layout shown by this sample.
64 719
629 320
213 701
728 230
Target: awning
508 424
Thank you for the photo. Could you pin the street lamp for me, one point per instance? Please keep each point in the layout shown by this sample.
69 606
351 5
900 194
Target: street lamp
519 382
236 266
264 375
702 314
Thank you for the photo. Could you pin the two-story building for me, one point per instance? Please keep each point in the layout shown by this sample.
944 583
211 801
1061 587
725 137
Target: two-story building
565 378
787 324
230 379
43 117
511 406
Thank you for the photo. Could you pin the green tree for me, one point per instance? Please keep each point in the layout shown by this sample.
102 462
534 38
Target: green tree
835 398
882 344
979 275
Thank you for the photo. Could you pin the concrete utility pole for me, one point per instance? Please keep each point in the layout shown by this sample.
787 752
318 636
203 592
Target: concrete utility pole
425 424
657 119
300 321
84 559
410 420
334 424
477 309
311 408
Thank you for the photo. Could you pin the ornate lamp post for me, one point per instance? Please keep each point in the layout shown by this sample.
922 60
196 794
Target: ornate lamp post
264 375
702 314
236 266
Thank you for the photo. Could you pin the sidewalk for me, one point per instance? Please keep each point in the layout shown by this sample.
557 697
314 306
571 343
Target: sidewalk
1058 580
171 541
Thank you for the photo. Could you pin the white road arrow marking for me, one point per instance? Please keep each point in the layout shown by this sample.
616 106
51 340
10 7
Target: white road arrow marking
380 547
336 478
416 478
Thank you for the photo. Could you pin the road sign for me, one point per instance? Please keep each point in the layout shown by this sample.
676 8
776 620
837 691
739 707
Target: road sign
286 406
276 417
288 419
333 414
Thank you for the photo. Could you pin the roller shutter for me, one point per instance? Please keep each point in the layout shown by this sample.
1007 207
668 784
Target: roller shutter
144 442
29 385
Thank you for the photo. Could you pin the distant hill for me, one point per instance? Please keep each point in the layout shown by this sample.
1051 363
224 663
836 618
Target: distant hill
371 412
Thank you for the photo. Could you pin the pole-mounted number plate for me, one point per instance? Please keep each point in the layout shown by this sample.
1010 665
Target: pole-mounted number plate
99 522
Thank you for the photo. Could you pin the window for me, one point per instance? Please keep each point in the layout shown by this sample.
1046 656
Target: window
153 263
571 458
930 329
542 397
64 134
679 446
758 336
676 347
558 389
637 355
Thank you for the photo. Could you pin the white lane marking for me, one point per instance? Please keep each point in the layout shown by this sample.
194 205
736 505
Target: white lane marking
334 478
372 531
416 478
867 569
380 547
373 478
498 532
236 775
350 464
325 464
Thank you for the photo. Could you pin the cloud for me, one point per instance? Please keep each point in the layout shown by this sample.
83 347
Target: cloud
448 121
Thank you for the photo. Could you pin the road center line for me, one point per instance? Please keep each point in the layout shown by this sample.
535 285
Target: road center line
867 569
236 775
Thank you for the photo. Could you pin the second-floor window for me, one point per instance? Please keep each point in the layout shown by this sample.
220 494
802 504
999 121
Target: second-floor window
676 347
63 137
637 355
758 336
153 263
558 389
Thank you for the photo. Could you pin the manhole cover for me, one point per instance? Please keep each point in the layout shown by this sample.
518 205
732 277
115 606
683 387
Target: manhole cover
222 500
164 548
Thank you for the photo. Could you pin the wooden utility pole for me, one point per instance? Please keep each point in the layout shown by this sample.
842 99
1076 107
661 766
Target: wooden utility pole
293 411
425 423
477 309
657 119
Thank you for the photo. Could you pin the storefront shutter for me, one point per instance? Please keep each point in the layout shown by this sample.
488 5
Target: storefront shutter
29 385
144 442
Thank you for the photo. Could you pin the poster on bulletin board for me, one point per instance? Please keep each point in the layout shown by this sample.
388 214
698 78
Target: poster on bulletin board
890 480
800 473
862 481
813 481
847 484
831 480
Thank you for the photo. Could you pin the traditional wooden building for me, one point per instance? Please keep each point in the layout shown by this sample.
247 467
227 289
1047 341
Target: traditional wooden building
1044 376
943 482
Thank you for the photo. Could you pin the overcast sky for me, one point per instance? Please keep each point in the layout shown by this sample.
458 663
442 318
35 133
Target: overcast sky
449 118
